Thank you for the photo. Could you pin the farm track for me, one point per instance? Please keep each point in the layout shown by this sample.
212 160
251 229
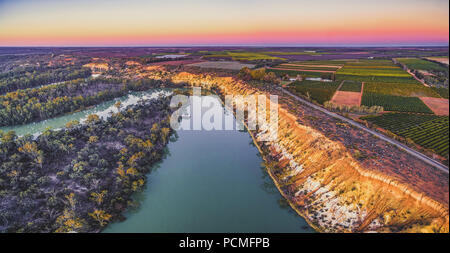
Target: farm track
409 72
360 96
407 149
338 88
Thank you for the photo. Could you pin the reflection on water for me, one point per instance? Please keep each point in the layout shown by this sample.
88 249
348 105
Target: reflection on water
209 181
104 110
212 181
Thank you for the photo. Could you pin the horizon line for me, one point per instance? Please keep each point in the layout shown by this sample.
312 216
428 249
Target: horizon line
233 45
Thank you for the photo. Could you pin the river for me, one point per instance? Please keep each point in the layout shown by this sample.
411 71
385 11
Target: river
210 181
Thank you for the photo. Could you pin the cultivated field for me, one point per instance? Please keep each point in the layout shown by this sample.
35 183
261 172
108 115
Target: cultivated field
238 55
317 91
419 64
400 89
233 65
307 68
428 131
438 105
374 71
351 86
439 59
395 103
348 98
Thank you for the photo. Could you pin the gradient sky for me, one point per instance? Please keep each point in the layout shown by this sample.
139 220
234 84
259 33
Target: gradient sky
225 22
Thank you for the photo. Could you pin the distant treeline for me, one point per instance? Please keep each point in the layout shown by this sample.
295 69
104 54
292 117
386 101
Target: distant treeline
29 105
28 78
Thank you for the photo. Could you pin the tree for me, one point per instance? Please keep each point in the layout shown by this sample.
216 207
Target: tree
100 216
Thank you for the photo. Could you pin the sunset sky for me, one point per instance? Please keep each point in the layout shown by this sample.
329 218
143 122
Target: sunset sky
230 22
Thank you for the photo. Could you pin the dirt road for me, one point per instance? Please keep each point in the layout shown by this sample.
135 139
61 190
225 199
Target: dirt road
407 149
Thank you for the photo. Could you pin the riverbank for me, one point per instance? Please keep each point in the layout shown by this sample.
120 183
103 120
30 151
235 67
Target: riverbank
215 196
333 190
81 177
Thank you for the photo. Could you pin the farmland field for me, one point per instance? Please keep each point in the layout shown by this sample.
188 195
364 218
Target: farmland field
438 105
395 103
380 79
374 71
333 63
240 55
307 68
351 86
348 98
443 92
281 72
233 65
318 91
419 64
428 131
443 59
400 89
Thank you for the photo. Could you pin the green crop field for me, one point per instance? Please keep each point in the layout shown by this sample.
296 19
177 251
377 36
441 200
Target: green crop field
395 103
280 72
294 53
389 72
351 86
374 71
321 62
443 92
380 79
305 66
400 89
419 64
318 91
240 55
428 131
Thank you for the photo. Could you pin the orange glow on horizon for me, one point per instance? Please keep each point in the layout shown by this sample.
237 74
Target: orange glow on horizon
207 22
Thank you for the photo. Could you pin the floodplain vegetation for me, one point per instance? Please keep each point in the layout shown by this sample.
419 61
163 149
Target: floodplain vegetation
32 77
36 104
82 177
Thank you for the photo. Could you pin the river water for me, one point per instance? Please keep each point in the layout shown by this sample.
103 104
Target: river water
210 181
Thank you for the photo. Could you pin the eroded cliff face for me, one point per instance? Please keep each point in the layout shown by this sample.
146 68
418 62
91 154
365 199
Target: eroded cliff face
326 185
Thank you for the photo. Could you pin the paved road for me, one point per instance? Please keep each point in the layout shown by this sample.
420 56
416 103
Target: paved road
413 152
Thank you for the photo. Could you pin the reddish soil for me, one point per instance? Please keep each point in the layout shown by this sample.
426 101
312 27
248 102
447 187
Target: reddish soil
438 105
439 59
349 98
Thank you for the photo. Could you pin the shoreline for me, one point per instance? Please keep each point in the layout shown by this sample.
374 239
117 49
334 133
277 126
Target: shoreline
274 180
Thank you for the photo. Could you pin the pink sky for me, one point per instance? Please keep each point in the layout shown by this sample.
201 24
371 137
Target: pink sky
177 22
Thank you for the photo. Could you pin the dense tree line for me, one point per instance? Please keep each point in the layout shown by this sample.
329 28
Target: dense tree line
260 74
28 78
80 178
28 105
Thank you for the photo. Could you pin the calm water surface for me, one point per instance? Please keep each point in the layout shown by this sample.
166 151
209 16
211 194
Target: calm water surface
210 181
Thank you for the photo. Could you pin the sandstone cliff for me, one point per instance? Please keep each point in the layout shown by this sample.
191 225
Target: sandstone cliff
329 187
